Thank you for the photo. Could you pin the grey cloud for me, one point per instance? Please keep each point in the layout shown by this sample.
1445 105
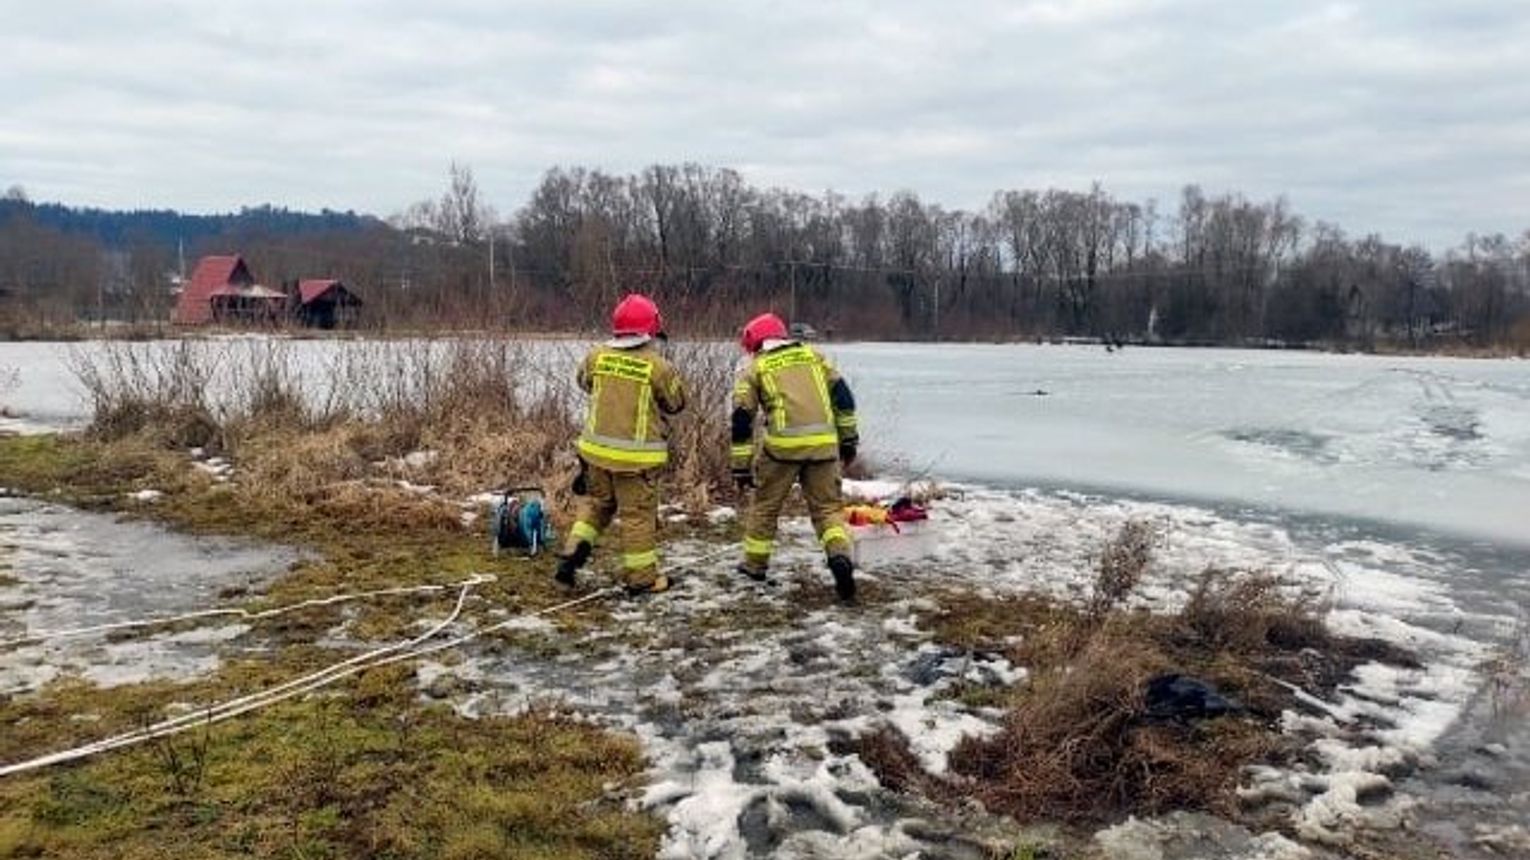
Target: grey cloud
1410 117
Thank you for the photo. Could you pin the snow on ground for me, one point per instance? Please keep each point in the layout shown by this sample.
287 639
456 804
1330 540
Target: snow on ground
747 697
66 569
21 425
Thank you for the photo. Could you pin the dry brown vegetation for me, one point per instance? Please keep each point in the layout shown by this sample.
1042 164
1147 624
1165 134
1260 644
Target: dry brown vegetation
1079 742
475 414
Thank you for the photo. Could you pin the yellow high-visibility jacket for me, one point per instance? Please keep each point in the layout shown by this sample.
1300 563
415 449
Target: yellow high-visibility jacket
633 391
809 410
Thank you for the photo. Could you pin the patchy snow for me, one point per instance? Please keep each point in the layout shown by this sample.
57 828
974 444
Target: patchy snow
874 491
1185 835
22 425
146 495
746 724
483 499
420 459
749 698
216 467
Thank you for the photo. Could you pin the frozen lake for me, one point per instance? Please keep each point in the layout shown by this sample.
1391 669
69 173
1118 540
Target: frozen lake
1428 443
1425 444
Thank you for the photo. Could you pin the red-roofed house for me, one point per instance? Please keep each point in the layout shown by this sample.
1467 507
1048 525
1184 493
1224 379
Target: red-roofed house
221 289
326 303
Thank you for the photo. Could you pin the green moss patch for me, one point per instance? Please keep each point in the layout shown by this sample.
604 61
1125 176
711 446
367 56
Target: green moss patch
370 774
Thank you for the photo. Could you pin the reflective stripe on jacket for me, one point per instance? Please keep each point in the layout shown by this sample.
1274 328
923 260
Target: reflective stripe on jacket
632 392
791 385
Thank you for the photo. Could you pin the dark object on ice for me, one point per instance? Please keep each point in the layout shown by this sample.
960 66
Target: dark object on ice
1182 698
1040 392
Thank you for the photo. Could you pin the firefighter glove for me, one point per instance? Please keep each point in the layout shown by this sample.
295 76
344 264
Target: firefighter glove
743 478
847 452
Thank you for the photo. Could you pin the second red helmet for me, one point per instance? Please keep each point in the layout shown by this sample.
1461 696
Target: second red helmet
760 329
637 314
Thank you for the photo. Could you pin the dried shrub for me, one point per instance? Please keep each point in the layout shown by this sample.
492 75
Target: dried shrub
1508 676
1250 612
699 437
299 465
483 412
382 507
1122 563
149 391
265 395
887 752
1080 743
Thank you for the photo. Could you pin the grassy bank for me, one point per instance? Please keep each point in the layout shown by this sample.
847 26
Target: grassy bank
369 771
372 771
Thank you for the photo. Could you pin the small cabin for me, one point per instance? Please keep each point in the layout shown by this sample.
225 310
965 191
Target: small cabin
325 303
222 290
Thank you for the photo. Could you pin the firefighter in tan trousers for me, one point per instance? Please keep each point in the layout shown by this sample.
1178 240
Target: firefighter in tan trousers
809 429
633 392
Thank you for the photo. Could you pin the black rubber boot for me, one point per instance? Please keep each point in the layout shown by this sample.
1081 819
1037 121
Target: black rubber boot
569 564
844 576
758 574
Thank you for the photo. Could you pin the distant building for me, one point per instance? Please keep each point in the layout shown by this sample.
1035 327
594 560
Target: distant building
222 290
326 303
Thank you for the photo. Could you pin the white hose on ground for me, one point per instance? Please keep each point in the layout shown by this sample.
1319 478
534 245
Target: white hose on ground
240 614
387 655
225 710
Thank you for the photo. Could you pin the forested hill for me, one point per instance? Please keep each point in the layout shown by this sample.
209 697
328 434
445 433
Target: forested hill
166 227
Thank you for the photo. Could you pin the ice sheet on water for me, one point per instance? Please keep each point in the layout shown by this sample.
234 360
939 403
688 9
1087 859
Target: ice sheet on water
1431 442
76 569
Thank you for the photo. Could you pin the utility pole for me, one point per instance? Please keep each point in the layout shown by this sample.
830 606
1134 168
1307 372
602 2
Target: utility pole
489 291
937 307
793 265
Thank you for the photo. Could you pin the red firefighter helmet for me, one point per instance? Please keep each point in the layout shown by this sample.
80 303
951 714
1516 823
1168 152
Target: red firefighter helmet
760 329
637 314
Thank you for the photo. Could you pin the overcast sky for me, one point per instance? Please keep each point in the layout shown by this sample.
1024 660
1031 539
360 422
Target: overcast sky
1408 117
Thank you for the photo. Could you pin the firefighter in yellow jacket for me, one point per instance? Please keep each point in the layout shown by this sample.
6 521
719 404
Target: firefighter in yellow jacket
809 429
633 392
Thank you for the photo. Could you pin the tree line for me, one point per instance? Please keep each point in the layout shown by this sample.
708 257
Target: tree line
1051 263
